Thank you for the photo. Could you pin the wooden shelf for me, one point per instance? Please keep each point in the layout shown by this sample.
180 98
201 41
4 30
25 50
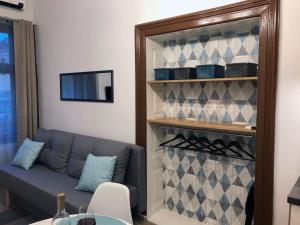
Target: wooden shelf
224 127
227 79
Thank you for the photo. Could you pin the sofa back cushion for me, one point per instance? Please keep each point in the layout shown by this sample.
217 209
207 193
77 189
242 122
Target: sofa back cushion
83 145
43 136
56 155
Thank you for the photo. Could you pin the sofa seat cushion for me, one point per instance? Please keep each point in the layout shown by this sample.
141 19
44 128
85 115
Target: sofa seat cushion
39 185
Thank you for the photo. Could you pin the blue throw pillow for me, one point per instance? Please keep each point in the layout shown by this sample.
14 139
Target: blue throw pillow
96 170
27 153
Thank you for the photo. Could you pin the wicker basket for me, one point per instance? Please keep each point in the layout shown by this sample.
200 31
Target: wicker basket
184 73
210 71
164 74
241 70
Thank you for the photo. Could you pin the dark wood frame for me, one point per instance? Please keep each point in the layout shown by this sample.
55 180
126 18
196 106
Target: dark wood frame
268 12
18 6
86 73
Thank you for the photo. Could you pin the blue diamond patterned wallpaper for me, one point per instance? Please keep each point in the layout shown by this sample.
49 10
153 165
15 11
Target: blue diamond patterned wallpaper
207 188
213 102
219 48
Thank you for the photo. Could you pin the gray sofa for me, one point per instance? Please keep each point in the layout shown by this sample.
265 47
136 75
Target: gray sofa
39 185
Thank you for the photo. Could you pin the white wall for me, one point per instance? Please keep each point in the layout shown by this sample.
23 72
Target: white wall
287 150
78 35
26 14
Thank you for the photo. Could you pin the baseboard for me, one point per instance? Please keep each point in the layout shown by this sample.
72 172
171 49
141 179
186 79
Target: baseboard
140 217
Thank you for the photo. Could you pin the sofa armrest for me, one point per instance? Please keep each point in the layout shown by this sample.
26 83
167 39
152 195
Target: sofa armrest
136 175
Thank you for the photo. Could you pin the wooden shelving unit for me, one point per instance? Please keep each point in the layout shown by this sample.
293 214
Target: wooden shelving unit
227 79
223 127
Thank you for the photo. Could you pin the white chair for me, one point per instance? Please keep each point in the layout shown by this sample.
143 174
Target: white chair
111 199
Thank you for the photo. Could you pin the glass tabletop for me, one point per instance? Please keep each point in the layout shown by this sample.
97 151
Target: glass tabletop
100 220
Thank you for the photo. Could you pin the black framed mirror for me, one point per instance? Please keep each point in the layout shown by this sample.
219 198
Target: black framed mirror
94 86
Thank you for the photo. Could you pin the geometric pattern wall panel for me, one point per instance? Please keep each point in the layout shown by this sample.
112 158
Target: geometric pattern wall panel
207 188
218 48
204 187
230 102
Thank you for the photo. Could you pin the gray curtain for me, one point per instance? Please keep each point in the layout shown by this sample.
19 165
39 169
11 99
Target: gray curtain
26 80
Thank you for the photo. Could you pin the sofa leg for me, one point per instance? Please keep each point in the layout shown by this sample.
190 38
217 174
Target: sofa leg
8 198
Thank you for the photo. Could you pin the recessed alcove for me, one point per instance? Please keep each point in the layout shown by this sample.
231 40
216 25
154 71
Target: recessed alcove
190 186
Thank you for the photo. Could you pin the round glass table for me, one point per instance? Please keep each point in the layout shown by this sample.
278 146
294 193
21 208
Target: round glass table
100 220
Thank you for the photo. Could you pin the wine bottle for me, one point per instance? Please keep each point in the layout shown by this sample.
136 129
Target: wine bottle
61 211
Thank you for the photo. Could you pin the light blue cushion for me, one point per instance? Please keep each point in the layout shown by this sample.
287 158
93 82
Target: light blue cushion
27 153
96 170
